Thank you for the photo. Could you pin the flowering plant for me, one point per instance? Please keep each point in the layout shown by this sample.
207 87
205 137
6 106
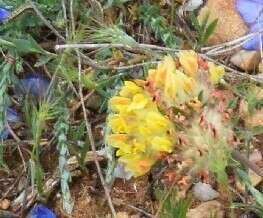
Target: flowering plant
142 122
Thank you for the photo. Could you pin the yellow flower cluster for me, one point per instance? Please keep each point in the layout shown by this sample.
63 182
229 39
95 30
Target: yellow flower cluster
179 85
139 131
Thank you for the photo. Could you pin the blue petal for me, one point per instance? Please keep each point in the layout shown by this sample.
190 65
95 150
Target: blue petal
258 1
4 14
250 10
254 43
11 115
4 134
34 85
41 211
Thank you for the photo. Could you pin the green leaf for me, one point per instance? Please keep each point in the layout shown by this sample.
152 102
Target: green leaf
195 22
204 29
44 59
209 30
6 43
25 46
204 22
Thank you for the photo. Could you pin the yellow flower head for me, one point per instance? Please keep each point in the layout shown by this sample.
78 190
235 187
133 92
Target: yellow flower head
175 86
165 69
130 89
216 73
189 62
140 133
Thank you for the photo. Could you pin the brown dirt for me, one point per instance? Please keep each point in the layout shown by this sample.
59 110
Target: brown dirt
90 202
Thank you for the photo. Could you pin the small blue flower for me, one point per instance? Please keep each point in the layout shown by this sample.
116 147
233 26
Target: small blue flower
11 115
41 211
4 14
254 43
34 85
252 13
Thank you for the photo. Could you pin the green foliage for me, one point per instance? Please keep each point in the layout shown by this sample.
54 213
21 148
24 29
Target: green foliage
24 45
253 100
204 29
36 118
218 160
150 15
172 206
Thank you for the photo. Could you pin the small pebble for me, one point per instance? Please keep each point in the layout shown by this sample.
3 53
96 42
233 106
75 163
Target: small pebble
204 192
4 204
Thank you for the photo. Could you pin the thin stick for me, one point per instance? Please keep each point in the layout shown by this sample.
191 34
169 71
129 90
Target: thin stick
78 105
92 143
18 140
99 66
115 45
140 210
233 42
232 74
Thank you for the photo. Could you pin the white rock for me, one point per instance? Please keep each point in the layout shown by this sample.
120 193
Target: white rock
204 192
192 5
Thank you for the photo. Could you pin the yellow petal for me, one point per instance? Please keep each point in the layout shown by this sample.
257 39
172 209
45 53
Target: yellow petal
216 73
189 62
144 130
138 165
116 140
117 124
139 101
162 144
170 86
138 147
157 122
159 76
117 103
124 150
130 89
